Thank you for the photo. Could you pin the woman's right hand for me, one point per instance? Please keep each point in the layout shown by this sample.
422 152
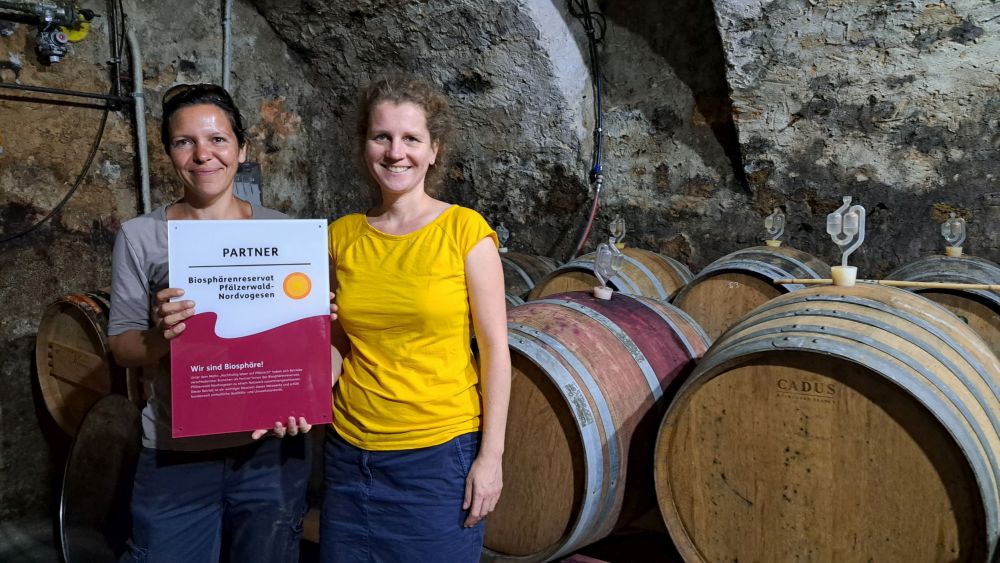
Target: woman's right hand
169 316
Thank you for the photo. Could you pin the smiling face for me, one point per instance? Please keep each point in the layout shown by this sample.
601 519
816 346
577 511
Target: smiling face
204 151
399 149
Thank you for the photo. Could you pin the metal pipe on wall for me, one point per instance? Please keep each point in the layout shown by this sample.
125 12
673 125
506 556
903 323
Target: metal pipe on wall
140 119
227 44
58 13
61 92
116 56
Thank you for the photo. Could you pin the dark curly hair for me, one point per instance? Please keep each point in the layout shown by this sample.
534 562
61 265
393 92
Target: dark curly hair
400 89
185 95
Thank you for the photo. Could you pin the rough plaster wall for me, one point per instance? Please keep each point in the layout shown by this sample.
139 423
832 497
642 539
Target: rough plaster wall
674 161
42 149
521 151
671 148
895 103
518 74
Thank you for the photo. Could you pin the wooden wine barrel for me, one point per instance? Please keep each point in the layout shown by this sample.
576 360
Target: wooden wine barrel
645 273
978 308
737 283
73 359
94 516
836 424
522 271
588 376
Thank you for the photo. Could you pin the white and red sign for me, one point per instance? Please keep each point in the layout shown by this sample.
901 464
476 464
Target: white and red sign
257 349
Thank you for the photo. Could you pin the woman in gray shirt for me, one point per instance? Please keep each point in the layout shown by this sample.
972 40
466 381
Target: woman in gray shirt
195 498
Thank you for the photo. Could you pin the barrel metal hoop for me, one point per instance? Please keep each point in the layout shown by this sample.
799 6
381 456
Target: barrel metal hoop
640 359
649 274
592 510
803 267
762 268
513 299
621 282
976 270
520 271
990 296
923 345
673 326
941 276
682 270
889 310
549 262
761 343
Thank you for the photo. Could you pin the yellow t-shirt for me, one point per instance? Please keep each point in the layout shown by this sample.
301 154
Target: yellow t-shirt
409 380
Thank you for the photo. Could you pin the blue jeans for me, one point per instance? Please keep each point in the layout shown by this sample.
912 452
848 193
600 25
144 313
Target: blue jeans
245 502
398 506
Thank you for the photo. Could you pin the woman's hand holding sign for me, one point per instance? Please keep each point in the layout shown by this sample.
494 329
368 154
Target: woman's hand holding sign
169 316
280 430
294 426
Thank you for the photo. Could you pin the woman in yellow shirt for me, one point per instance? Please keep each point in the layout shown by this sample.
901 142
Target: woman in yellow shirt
414 462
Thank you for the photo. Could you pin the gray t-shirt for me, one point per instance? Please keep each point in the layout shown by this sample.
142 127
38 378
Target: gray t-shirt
138 272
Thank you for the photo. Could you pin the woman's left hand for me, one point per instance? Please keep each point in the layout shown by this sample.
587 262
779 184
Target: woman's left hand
482 487
280 430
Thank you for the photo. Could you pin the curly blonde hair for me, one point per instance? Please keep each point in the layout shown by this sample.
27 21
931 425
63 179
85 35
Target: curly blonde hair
400 89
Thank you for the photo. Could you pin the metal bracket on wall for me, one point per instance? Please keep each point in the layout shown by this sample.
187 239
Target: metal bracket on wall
247 183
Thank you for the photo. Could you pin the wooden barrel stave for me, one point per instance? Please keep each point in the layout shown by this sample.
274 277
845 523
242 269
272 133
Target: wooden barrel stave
899 343
607 365
603 457
522 271
979 309
73 359
743 281
910 345
645 273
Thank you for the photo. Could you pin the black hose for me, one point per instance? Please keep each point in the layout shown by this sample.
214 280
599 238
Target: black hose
580 9
116 60
61 92
115 25
79 181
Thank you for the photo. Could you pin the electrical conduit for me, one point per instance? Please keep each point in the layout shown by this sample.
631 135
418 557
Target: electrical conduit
227 44
140 119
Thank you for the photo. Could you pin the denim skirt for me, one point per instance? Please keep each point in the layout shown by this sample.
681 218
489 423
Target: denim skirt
398 506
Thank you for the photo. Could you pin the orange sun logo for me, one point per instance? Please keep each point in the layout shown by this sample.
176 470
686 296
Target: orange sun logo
297 285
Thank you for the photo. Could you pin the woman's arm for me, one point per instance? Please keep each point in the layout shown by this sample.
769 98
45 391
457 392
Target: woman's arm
136 348
339 346
484 275
339 343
